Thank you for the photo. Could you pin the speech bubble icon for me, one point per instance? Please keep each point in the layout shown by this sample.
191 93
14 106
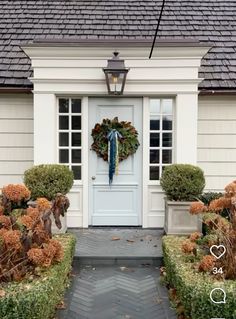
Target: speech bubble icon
214 296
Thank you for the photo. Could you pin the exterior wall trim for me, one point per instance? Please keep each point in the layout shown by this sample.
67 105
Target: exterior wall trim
77 71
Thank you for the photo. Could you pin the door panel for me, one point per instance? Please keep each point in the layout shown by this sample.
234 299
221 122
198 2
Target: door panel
120 203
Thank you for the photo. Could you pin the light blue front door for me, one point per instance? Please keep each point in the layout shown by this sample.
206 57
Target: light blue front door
119 204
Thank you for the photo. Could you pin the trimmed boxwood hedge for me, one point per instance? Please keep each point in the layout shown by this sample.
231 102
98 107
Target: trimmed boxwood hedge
37 299
193 288
46 180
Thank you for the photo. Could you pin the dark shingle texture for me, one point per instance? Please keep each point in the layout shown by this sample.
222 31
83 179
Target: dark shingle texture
212 22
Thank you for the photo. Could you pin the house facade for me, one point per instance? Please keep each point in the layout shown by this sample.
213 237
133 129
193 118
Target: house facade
182 101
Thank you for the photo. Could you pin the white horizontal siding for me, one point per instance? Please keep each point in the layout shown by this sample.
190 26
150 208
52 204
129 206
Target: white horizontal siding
209 141
217 140
212 155
217 108
16 136
16 154
16 125
217 126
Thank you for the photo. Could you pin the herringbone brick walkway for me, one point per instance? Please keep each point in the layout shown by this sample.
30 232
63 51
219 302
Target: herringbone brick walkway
116 292
115 277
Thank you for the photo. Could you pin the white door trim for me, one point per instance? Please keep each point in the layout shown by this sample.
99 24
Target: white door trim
134 186
85 167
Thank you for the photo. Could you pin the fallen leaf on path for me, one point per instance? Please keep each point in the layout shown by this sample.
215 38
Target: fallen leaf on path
126 269
130 240
158 300
61 305
115 238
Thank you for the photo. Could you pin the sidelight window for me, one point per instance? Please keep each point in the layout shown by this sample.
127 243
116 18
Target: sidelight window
69 134
160 136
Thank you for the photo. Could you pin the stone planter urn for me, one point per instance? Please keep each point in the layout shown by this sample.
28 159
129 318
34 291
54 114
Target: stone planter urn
178 220
55 229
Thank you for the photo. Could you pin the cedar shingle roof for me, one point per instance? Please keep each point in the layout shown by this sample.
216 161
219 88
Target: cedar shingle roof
212 22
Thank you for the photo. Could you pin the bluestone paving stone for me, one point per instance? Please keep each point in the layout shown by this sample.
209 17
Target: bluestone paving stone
114 292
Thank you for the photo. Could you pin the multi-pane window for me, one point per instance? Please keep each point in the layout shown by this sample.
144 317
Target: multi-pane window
161 136
69 139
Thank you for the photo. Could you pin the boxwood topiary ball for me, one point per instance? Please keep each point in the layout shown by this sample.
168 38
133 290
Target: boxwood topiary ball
182 182
47 180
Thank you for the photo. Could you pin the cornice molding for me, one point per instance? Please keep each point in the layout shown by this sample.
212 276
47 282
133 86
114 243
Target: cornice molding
129 51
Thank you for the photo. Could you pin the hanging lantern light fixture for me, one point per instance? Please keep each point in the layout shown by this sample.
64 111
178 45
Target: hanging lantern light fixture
115 74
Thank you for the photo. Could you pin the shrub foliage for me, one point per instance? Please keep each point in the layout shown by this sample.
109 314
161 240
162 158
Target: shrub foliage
36 297
25 232
182 182
193 287
224 229
48 180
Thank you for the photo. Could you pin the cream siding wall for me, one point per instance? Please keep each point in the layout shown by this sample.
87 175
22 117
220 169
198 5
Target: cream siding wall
217 140
16 136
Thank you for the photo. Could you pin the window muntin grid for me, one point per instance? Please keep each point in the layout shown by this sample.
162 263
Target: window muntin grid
70 134
160 136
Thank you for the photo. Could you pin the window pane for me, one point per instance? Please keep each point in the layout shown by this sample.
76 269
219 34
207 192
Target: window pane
76 105
76 122
63 156
167 123
154 156
167 156
167 106
155 106
63 105
63 122
154 139
155 124
77 172
154 173
76 156
167 140
63 139
76 139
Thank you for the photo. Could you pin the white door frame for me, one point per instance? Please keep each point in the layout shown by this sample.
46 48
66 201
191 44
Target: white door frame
87 196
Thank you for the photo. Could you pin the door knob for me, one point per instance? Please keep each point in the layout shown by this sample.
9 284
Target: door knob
93 178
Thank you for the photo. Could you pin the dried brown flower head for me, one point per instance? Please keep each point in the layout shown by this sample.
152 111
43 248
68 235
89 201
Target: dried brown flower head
43 204
33 212
2 231
219 204
5 221
195 236
59 250
11 239
16 192
230 189
207 263
188 247
197 208
1 210
27 221
36 256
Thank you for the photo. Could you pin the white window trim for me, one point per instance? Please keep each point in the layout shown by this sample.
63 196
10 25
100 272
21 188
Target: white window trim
173 131
76 182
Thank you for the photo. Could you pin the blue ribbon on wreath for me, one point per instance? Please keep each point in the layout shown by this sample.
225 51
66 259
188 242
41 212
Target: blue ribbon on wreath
113 153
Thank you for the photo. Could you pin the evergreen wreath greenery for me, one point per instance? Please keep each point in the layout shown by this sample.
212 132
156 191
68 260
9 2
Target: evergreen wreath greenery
128 144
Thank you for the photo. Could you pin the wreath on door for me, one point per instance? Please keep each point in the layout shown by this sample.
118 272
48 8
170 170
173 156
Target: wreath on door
114 141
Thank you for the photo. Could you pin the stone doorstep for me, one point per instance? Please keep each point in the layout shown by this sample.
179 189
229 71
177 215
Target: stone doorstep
121 261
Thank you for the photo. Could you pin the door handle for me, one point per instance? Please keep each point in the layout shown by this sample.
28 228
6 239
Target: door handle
93 178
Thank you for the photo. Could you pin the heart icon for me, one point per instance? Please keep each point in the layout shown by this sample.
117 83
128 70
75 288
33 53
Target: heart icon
219 251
